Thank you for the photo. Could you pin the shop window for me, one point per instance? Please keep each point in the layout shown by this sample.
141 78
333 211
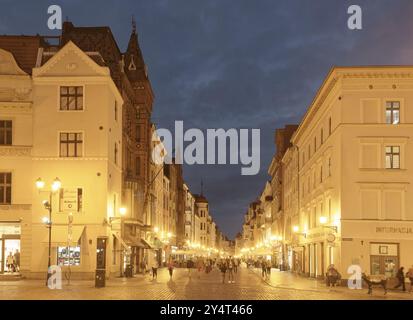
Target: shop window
384 259
68 256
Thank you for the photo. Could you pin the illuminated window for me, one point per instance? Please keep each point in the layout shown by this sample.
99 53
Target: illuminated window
5 188
71 144
392 112
393 157
71 98
6 127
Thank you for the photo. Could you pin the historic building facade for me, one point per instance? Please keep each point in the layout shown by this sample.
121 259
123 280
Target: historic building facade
345 180
65 103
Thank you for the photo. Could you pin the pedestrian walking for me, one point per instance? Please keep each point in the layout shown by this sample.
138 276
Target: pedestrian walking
410 276
268 269
200 267
189 266
236 264
231 270
10 262
223 268
170 268
155 269
400 278
17 260
263 269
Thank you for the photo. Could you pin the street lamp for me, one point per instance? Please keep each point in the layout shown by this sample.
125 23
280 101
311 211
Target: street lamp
56 185
323 221
296 230
122 212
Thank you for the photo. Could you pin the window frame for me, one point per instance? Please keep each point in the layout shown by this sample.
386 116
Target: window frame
71 132
392 109
5 130
59 97
6 186
392 154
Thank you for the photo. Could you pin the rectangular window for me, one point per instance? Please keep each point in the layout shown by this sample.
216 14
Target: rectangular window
71 98
116 153
71 144
322 136
392 112
68 256
138 133
116 110
5 187
329 126
393 157
321 174
6 127
329 167
315 144
138 166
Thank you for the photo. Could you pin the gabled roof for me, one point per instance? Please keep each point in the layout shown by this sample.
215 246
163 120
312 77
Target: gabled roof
24 49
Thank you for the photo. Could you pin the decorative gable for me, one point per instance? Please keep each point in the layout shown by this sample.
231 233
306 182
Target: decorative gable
70 61
8 65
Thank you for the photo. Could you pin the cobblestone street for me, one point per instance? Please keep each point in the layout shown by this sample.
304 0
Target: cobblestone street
248 286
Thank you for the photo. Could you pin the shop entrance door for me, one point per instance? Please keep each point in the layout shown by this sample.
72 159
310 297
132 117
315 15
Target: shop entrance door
10 245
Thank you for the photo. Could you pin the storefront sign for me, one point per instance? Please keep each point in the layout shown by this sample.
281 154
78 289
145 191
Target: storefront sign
70 199
403 230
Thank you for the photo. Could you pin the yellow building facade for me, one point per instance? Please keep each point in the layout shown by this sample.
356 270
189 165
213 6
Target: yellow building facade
355 194
66 123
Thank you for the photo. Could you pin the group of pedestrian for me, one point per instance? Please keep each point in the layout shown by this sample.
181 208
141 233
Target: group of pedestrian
265 269
401 278
13 262
229 265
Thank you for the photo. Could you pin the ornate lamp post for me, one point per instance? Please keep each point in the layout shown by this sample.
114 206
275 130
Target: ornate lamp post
55 187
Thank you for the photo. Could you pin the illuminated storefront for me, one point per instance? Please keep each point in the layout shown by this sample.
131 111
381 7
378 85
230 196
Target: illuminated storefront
10 247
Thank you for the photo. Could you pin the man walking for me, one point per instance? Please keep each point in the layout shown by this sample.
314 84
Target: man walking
410 276
400 278
231 270
17 260
155 269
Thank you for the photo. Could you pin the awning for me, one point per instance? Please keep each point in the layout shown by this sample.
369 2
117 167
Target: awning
144 244
123 243
60 235
138 242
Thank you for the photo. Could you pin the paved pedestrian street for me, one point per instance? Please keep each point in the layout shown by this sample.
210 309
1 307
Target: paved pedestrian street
248 286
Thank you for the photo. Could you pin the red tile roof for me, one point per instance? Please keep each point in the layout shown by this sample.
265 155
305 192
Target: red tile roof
23 48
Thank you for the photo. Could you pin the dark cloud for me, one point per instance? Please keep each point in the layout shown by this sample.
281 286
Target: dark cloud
236 63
